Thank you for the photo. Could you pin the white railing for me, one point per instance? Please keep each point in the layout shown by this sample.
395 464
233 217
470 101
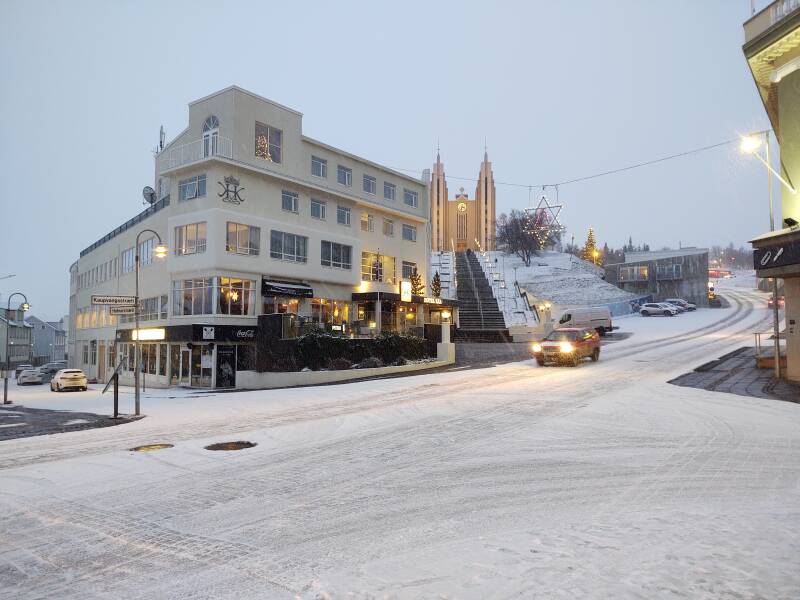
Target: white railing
782 8
196 150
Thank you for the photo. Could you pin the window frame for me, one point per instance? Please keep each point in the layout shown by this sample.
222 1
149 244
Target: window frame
323 164
295 201
413 231
183 247
390 223
198 185
323 205
410 193
341 264
270 144
295 240
253 233
348 173
373 183
389 186
344 210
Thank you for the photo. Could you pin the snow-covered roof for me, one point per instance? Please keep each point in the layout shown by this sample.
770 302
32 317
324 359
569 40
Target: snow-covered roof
659 254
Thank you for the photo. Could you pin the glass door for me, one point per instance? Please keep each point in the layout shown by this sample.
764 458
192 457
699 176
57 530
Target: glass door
186 361
202 365
210 141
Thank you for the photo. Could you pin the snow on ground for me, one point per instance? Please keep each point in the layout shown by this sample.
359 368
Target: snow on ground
559 278
600 481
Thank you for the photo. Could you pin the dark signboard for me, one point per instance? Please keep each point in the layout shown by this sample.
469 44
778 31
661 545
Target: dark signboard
777 255
226 366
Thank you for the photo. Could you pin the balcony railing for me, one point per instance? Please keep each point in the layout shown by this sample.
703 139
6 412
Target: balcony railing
196 150
766 18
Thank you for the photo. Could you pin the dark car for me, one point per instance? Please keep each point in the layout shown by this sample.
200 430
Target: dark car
567 346
21 368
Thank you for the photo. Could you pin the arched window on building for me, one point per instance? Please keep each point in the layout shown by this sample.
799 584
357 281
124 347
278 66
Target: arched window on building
210 136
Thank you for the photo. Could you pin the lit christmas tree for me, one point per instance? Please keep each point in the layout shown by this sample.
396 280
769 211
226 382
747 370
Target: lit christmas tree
590 251
262 148
436 285
417 287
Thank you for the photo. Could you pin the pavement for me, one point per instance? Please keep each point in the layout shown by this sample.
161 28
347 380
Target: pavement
736 373
20 421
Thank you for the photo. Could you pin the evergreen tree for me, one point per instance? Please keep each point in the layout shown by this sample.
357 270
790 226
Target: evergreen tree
590 252
417 287
436 285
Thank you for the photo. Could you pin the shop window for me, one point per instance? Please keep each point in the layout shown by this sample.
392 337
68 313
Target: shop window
235 296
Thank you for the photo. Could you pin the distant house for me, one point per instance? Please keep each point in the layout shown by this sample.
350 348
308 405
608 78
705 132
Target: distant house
681 273
18 333
49 340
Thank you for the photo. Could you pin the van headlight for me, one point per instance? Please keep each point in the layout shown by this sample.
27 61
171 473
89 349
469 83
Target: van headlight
536 347
566 347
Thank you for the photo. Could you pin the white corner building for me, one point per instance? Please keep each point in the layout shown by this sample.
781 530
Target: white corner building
258 218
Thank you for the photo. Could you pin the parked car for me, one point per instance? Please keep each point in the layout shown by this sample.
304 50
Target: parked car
20 369
771 302
678 307
657 308
681 302
67 379
567 346
596 317
53 367
29 376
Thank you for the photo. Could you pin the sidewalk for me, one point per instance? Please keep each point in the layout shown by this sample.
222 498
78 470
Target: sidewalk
736 373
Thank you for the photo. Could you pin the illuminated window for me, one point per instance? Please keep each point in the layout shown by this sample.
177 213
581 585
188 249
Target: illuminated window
268 142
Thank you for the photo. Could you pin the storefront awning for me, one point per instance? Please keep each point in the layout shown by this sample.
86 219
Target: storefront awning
271 287
777 254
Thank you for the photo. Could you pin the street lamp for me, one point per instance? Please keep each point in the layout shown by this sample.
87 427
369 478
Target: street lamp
750 145
24 306
160 251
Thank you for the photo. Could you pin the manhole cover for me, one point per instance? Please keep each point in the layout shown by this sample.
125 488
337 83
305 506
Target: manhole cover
151 447
231 446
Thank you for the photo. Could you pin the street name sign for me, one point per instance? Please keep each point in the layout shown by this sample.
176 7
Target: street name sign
114 300
122 310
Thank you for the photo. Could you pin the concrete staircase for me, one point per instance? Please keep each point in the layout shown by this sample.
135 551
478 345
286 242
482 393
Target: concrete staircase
479 318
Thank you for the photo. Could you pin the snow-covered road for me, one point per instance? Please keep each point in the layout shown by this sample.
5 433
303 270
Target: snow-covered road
513 481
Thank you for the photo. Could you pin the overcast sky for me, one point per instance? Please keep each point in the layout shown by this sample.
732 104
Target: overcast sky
559 89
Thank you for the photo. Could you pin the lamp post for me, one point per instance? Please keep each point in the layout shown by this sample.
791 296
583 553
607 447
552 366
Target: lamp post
750 145
24 306
160 251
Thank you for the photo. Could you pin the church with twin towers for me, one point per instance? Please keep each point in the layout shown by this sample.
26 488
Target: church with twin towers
462 223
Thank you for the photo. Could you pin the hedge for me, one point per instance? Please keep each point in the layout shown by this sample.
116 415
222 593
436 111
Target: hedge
317 350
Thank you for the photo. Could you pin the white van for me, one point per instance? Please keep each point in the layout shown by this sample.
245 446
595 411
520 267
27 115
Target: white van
596 317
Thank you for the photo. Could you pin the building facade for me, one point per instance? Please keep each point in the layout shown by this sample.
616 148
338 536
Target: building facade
664 274
20 348
772 50
258 219
462 223
49 340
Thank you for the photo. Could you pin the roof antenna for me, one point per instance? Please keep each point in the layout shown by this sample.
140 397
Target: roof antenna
161 136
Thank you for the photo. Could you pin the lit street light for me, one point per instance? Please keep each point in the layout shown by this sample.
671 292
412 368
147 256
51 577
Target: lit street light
750 145
24 306
160 251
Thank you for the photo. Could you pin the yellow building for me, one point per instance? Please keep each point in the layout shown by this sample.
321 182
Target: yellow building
462 222
772 49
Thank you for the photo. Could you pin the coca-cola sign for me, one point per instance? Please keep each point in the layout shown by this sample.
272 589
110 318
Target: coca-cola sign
246 333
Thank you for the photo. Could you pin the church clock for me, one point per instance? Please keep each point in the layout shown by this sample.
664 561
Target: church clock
462 207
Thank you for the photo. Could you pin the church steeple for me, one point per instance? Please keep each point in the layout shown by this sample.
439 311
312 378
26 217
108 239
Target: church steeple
485 196
438 197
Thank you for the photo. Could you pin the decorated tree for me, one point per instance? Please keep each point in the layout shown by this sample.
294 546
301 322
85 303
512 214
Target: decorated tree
417 286
590 251
436 285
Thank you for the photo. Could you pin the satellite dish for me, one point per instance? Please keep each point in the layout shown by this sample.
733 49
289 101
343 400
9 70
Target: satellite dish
149 194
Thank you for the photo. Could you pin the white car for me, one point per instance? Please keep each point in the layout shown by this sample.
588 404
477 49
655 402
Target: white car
29 376
658 308
67 379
